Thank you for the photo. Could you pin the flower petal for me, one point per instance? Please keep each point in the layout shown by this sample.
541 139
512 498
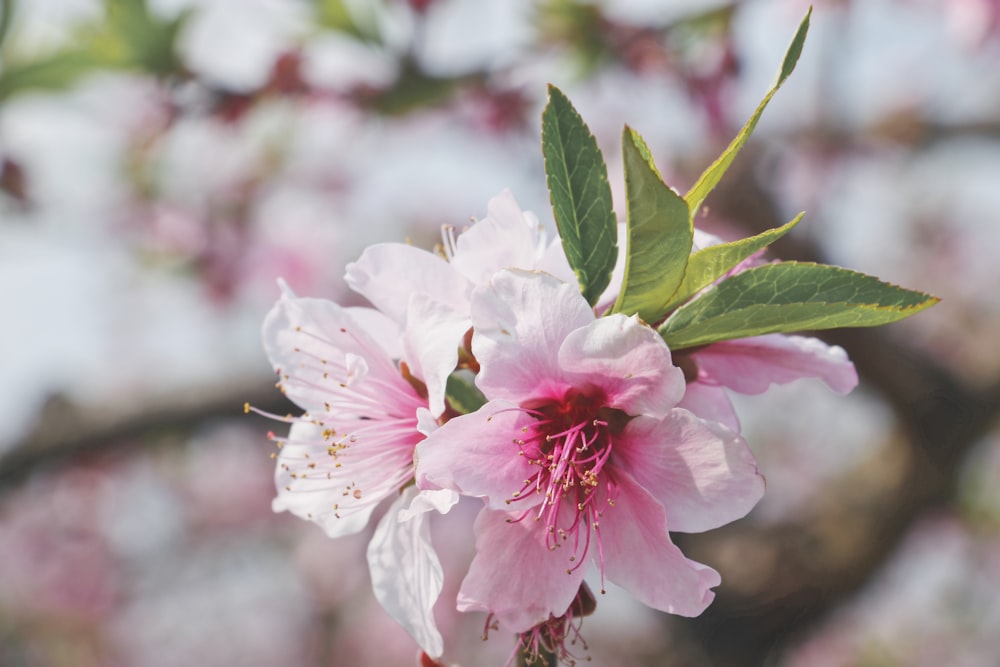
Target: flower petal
628 360
320 351
405 571
514 574
711 403
520 321
438 500
506 238
383 330
475 455
433 334
338 493
388 273
554 262
703 474
639 556
751 365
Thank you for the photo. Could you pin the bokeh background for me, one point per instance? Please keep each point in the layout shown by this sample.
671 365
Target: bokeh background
162 162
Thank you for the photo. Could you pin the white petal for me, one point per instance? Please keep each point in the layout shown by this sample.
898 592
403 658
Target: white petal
381 328
426 422
505 238
388 273
406 574
439 500
434 332
338 493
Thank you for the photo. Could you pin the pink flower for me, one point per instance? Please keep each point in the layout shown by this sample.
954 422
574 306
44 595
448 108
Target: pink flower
581 456
354 444
353 447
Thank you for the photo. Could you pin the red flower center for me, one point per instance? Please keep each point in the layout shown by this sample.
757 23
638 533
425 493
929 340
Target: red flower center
570 442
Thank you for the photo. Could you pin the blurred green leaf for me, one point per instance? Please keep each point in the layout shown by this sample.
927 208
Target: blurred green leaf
708 180
463 396
336 15
412 89
129 37
580 26
786 297
709 264
136 39
577 179
53 72
6 18
659 234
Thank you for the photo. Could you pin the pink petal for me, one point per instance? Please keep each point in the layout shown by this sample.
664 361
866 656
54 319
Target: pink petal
433 334
520 321
751 365
475 454
703 474
711 403
318 349
388 273
628 360
514 575
640 557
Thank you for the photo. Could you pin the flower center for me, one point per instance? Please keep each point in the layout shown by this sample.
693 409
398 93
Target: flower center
570 442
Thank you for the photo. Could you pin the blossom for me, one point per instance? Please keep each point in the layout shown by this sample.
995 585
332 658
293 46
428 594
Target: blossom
751 365
353 446
581 456
432 290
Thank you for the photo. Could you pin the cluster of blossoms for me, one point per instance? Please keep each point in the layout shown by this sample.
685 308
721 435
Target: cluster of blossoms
481 371
576 392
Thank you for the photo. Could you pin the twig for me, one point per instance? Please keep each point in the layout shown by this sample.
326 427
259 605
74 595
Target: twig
66 432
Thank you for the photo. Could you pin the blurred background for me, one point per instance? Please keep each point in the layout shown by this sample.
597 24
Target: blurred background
162 162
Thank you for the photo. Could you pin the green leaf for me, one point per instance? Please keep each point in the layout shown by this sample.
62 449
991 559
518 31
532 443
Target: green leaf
709 264
412 89
659 235
53 72
337 15
138 39
580 194
708 180
786 297
6 18
462 394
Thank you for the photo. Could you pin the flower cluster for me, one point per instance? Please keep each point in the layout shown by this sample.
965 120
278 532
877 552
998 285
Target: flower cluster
584 438
575 389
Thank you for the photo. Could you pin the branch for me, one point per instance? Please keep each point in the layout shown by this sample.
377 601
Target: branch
780 579
66 432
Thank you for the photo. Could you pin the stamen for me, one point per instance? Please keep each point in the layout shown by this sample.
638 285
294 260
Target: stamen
569 444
